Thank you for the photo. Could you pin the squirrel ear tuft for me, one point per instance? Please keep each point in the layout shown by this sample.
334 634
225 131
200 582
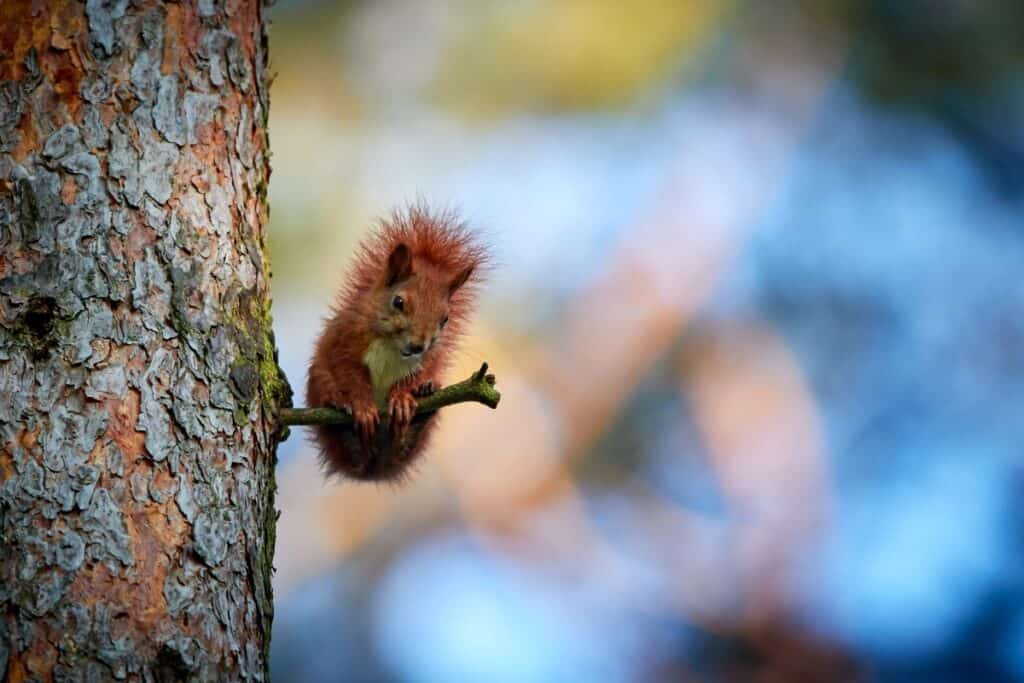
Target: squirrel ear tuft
460 280
399 264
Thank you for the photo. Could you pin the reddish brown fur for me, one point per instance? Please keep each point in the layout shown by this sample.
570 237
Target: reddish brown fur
443 253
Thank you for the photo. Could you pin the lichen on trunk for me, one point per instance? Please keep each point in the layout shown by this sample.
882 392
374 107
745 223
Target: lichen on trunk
138 378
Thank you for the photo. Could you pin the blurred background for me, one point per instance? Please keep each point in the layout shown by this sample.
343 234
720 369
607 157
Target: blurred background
758 323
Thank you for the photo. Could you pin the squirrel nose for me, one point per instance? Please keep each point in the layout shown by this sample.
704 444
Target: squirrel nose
414 349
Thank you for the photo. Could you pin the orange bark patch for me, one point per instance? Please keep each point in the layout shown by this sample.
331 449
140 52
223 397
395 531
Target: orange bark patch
244 16
138 239
53 30
135 594
67 25
20 30
201 183
124 414
6 465
28 144
30 439
152 538
65 76
171 59
41 658
69 190
16 671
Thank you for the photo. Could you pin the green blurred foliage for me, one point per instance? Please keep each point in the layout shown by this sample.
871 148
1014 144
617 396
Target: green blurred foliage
573 54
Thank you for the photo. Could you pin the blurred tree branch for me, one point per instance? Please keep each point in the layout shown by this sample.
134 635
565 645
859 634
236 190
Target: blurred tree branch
479 388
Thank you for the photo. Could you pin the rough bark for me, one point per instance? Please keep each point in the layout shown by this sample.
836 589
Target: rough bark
138 384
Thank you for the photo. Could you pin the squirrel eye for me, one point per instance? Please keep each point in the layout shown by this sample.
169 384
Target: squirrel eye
398 302
444 321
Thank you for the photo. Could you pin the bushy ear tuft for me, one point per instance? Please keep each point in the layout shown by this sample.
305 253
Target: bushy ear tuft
460 280
399 264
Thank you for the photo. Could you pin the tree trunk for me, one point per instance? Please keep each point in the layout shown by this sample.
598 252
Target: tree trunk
138 384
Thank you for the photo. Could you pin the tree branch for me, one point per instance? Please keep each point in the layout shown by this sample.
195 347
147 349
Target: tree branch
478 388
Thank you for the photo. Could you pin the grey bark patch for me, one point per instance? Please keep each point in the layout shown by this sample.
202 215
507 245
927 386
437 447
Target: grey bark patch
152 33
140 487
33 76
94 132
15 375
95 87
11 107
150 294
70 551
124 161
121 221
209 8
146 68
153 420
113 459
220 210
186 404
47 590
162 494
82 163
221 351
88 280
39 208
102 16
178 591
213 532
186 502
245 380
167 115
156 166
62 492
105 524
86 478
214 43
109 382
91 422
199 111
32 479
52 441
243 140
66 140
52 460
239 69
85 164
96 322
130 330
219 421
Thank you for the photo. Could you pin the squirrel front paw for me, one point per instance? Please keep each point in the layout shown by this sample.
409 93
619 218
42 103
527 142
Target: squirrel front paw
401 409
366 420
425 389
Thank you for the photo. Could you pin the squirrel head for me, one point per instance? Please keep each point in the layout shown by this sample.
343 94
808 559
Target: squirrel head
413 301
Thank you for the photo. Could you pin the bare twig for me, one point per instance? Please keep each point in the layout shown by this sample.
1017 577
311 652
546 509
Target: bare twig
478 388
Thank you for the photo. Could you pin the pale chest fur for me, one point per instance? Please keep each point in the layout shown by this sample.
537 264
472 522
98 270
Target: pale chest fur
386 367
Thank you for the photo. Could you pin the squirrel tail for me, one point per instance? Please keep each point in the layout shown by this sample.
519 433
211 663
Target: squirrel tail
342 453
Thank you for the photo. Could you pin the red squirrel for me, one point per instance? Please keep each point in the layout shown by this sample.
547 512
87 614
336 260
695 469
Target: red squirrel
388 339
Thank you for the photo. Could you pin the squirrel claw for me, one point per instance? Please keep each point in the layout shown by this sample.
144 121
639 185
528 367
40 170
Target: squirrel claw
424 390
340 407
366 421
401 408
